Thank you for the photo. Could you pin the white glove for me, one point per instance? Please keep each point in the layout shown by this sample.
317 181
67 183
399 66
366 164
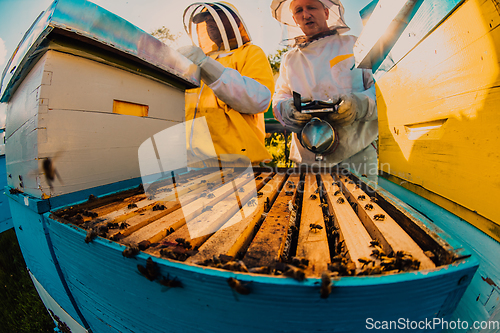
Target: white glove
293 119
352 107
211 69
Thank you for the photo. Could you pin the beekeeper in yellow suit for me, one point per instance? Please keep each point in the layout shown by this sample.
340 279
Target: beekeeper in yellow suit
237 82
320 66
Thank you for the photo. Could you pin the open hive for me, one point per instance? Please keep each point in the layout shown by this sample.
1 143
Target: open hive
297 224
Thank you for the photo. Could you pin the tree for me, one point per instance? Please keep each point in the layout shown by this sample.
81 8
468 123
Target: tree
275 60
165 35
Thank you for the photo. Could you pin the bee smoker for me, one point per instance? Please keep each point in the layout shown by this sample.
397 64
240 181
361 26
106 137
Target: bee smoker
317 136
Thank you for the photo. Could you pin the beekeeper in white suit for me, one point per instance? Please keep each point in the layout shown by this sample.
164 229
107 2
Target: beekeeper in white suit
320 66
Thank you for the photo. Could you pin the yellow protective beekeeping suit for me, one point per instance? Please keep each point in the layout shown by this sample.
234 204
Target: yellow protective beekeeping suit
232 132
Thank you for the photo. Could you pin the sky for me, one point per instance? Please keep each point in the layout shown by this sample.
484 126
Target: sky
16 16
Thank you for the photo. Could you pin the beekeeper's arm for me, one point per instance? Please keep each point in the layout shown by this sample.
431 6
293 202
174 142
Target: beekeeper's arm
283 108
357 106
247 91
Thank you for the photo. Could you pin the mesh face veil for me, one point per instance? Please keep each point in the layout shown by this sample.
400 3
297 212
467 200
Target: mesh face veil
215 26
280 10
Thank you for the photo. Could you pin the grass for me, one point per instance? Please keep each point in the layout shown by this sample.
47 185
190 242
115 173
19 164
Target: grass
21 309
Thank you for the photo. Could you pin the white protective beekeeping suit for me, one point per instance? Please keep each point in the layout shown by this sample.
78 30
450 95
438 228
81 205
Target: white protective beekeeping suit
319 69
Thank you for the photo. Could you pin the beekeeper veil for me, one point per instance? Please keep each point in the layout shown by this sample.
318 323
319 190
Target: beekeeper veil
215 26
280 10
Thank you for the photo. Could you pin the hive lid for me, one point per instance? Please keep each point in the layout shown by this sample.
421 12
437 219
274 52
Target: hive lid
85 20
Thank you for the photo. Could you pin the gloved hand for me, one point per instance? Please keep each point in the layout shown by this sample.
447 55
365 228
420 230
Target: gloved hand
351 108
211 69
293 119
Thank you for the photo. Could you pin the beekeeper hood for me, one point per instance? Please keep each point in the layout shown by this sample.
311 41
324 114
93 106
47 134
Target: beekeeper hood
280 9
215 26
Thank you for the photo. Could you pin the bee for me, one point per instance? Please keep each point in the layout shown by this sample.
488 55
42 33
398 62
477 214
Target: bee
300 262
90 214
203 194
143 245
324 205
15 191
131 251
379 217
260 270
91 235
267 205
378 252
170 231
258 178
374 243
203 181
295 273
365 261
361 197
290 182
338 192
340 200
346 180
235 266
112 225
131 206
288 193
291 186
211 196
168 189
158 207
150 271
50 171
171 283
373 199
315 227
369 207
237 286
363 175
350 182
207 208
313 197
259 194
252 202
124 225
92 198
242 189
326 285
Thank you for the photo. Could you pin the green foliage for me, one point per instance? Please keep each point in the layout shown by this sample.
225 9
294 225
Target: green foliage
275 60
164 34
275 144
21 309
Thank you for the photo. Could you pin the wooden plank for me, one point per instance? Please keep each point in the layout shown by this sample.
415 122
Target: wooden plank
231 240
269 242
204 225
384 229
313 243
357 240
156 231
143 205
